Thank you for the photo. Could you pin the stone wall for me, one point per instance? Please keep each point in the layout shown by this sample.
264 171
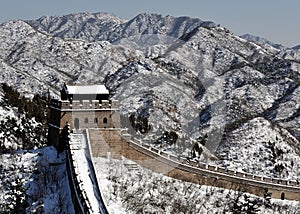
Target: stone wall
106 137
103 141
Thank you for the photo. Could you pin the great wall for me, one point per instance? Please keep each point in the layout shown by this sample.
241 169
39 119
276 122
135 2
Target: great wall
107 137
82 176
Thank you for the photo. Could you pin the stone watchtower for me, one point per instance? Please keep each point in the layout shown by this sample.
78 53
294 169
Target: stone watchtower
82 107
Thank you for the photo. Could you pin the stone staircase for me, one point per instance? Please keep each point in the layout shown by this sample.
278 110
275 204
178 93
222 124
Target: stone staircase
77 141
104 141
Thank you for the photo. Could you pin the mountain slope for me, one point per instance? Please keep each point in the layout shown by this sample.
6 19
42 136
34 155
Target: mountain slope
297 47
181 75
102 26
193 88
262 41
85 25
34 68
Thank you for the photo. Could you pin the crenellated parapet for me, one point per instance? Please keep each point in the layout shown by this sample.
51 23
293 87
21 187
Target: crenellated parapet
82 107
84 104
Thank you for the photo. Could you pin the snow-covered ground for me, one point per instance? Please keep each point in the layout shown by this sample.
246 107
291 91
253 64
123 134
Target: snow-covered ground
262 149
34 182
128 188
18 130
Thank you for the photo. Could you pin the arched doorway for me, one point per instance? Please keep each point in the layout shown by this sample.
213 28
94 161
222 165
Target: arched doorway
104 120
76 123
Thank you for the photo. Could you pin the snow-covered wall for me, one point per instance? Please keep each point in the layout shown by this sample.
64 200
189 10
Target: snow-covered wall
192 171
82 178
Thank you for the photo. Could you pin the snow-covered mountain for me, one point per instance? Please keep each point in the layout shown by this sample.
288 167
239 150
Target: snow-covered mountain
297 47
262 41
267 43
181 75
290 53
103 26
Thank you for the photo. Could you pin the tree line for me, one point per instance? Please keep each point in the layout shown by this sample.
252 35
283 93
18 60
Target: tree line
36 107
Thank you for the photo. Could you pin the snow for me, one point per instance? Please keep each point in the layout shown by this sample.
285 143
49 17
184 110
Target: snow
164 82
128 188
290 107
13 123
257 148
78 146
87 89
102 171
40 175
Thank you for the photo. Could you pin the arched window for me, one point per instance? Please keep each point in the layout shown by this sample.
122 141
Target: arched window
282 196
86 120
105 120
76 123
96 120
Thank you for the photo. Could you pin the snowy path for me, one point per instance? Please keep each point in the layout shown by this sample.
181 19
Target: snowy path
84 174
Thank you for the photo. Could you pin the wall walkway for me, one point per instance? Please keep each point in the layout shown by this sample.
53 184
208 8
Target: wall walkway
82 178
113 141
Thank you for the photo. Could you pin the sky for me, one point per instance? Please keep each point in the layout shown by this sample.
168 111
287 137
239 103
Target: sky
275 20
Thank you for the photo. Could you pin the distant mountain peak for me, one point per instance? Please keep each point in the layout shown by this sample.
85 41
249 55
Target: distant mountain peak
99 15
262 41
104 26
297 47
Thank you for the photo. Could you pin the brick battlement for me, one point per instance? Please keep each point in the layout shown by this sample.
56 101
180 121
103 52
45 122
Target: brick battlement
84 104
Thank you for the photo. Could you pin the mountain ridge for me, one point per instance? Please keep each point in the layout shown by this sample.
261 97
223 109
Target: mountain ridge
225 81
232 99
111 31
262 41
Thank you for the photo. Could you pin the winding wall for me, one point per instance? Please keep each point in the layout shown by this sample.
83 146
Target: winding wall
103 141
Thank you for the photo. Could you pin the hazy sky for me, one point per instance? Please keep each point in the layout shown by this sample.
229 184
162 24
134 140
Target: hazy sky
276 20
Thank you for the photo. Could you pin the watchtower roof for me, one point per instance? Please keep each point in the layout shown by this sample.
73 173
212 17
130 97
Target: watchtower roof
86 89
